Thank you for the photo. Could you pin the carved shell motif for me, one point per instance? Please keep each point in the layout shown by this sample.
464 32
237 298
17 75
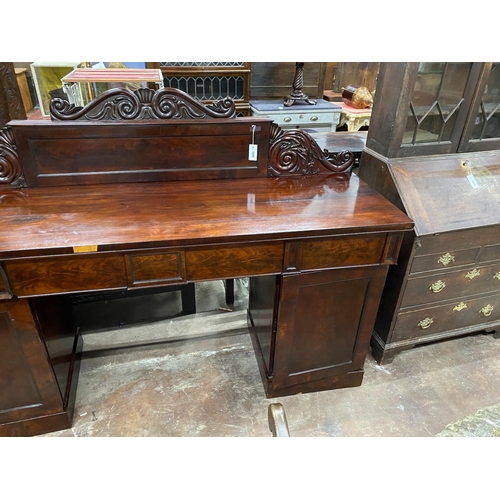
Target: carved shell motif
10 166
296 152
141 104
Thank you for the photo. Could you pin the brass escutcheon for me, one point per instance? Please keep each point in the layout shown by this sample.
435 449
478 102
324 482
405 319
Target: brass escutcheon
487 310
425 323
460 306
472 274
497 276
438 286
446 259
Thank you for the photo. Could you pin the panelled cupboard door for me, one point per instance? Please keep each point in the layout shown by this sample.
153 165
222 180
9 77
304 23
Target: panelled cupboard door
28 388
325 322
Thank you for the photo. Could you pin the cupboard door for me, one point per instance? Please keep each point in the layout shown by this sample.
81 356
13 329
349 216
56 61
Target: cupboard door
28 388
325 322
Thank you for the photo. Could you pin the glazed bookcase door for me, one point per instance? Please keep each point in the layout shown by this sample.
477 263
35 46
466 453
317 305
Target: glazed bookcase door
429 114
483 125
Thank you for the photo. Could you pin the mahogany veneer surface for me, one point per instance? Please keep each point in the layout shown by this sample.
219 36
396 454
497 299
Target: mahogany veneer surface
54 220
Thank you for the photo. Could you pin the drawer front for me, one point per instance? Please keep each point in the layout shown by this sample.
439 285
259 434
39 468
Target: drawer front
228 261
307 118
52 275
156 269
286 120
316 118
446 286
444 260
490 252
324 253
453 315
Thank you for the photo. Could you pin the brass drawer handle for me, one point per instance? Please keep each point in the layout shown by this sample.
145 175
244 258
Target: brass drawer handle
497 276
446 259
472 274
314 118
425 323
487 310
287 119
438 286
460 306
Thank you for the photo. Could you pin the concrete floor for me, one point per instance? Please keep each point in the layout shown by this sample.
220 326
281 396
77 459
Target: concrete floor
197 376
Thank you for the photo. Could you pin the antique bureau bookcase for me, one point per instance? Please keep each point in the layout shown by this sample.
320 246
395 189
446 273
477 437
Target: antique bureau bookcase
433 149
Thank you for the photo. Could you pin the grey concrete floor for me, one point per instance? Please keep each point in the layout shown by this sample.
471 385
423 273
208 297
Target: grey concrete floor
197 376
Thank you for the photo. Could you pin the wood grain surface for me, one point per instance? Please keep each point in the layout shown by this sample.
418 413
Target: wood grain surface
119 216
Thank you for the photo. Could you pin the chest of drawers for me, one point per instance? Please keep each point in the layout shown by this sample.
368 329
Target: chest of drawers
448 280
321 117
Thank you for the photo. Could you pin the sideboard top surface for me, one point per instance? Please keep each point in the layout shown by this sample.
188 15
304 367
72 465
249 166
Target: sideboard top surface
170 213
442 193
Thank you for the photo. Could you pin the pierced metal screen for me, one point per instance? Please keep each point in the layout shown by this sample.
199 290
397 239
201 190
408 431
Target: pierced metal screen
202 64
208 88
437 97
487 122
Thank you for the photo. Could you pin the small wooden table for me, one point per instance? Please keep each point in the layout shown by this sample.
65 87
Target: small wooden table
354 118
321 117
73 82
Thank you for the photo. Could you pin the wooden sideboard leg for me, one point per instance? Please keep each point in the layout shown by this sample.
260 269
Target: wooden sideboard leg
37 381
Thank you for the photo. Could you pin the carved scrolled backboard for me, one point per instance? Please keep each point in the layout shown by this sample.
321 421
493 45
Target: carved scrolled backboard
150 136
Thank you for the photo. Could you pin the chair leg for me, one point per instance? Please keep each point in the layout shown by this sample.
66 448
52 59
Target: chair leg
278 424
188 299
229 292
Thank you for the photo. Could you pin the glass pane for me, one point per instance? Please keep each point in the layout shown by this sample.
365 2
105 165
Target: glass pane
435 102
207 88
487 123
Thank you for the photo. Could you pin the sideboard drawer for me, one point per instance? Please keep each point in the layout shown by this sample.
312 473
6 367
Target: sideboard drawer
451 316
75 273
227 261
156 268
340 251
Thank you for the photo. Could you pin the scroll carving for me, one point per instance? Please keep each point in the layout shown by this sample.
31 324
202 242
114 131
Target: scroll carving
142 104
295 152
10 167
11 103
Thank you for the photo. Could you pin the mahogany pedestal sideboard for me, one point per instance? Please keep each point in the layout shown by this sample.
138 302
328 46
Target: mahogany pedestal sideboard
128 205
